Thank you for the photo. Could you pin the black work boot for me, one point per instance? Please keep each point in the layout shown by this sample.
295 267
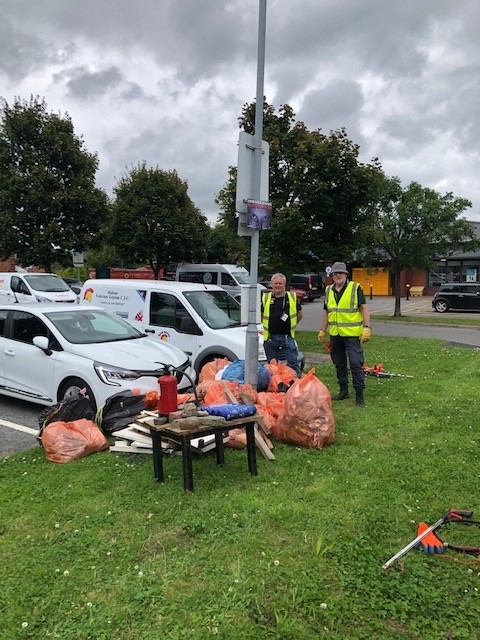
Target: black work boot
359 399
342 394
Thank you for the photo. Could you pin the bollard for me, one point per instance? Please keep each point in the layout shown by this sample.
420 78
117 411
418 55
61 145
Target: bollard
371 292
407 297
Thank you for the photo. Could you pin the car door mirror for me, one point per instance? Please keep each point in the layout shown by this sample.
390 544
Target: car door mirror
42 343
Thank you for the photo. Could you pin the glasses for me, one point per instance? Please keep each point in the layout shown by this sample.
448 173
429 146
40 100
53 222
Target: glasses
338 273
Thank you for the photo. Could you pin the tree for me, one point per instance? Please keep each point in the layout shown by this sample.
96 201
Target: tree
155 221
415 226
322 195
49 204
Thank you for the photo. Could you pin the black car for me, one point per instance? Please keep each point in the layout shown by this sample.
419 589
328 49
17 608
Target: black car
74 284
460 296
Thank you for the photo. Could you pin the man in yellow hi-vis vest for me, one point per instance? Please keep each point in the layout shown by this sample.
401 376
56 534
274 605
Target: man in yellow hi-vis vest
347 318
280 313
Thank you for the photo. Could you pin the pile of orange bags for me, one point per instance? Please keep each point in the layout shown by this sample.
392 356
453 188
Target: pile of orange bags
302 416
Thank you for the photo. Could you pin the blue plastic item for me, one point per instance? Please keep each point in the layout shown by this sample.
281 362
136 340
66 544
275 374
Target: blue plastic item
230 411
235 372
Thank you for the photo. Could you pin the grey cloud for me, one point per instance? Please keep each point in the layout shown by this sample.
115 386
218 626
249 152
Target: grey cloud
85 84
133 91
333 106
20 52
326 58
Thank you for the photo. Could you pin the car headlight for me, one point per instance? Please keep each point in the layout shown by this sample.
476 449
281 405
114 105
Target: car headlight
114 375
42 299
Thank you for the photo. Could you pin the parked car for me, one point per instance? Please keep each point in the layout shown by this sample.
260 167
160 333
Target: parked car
460 296
301 294
311 283
49 351
74 284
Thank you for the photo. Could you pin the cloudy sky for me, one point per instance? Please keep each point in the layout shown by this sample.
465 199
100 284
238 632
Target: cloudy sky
164 81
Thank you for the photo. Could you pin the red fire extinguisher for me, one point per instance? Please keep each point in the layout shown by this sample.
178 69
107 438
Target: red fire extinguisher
167 399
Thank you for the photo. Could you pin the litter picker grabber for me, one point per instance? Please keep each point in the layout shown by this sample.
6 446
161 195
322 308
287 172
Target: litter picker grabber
452 516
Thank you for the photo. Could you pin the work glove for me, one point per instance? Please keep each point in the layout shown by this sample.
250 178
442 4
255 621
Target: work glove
321 337
365 335
430 543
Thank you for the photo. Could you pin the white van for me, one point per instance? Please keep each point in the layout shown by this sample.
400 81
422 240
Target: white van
202 320
34 287
227 276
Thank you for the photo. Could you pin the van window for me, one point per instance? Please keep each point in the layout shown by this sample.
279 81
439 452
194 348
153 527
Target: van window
217 308
17 285
204 277
227 280
242 277
167 311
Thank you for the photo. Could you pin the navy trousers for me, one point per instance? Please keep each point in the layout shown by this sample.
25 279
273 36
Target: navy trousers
341 349
281 348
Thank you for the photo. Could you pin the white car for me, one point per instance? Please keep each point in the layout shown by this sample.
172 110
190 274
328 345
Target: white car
49 351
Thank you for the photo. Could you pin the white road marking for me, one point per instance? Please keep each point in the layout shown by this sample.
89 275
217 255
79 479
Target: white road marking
18 427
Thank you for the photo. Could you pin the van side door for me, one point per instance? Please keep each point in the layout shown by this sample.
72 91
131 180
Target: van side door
167 319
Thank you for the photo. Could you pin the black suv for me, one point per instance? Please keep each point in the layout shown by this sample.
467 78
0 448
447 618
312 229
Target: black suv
461 296
311 283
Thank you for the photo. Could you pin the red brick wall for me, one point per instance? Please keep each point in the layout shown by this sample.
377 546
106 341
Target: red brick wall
8 265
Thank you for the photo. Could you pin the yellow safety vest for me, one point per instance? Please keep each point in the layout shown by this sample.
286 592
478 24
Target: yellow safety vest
292 308
344 318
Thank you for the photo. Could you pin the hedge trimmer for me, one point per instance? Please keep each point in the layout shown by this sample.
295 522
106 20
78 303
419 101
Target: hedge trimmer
379 372
431 543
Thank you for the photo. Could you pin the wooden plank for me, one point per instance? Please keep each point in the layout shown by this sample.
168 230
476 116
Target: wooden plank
130 434
123 447
261 423
228 393
262 445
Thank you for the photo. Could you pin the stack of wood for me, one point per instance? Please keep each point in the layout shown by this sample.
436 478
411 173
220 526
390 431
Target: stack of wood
136 438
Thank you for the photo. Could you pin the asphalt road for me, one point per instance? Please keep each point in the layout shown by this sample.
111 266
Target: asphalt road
19 420
421 307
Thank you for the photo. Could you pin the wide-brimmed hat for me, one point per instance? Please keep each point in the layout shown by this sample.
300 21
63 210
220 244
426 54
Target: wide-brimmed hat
339 267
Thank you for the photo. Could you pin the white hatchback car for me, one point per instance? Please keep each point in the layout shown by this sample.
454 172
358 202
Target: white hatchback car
49 351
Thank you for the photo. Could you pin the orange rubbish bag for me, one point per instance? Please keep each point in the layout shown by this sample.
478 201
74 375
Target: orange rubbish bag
307 419
66 441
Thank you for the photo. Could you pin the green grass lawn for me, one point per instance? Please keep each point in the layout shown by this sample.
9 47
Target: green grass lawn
97 550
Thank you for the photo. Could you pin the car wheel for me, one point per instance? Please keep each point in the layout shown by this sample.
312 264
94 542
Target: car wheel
72 386
441 306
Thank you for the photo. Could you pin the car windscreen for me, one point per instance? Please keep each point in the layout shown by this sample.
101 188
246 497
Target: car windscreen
92 326
217 308
46 282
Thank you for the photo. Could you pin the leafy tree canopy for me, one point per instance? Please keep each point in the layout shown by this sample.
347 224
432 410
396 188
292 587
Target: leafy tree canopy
322 195
155 221
413 227
49 204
